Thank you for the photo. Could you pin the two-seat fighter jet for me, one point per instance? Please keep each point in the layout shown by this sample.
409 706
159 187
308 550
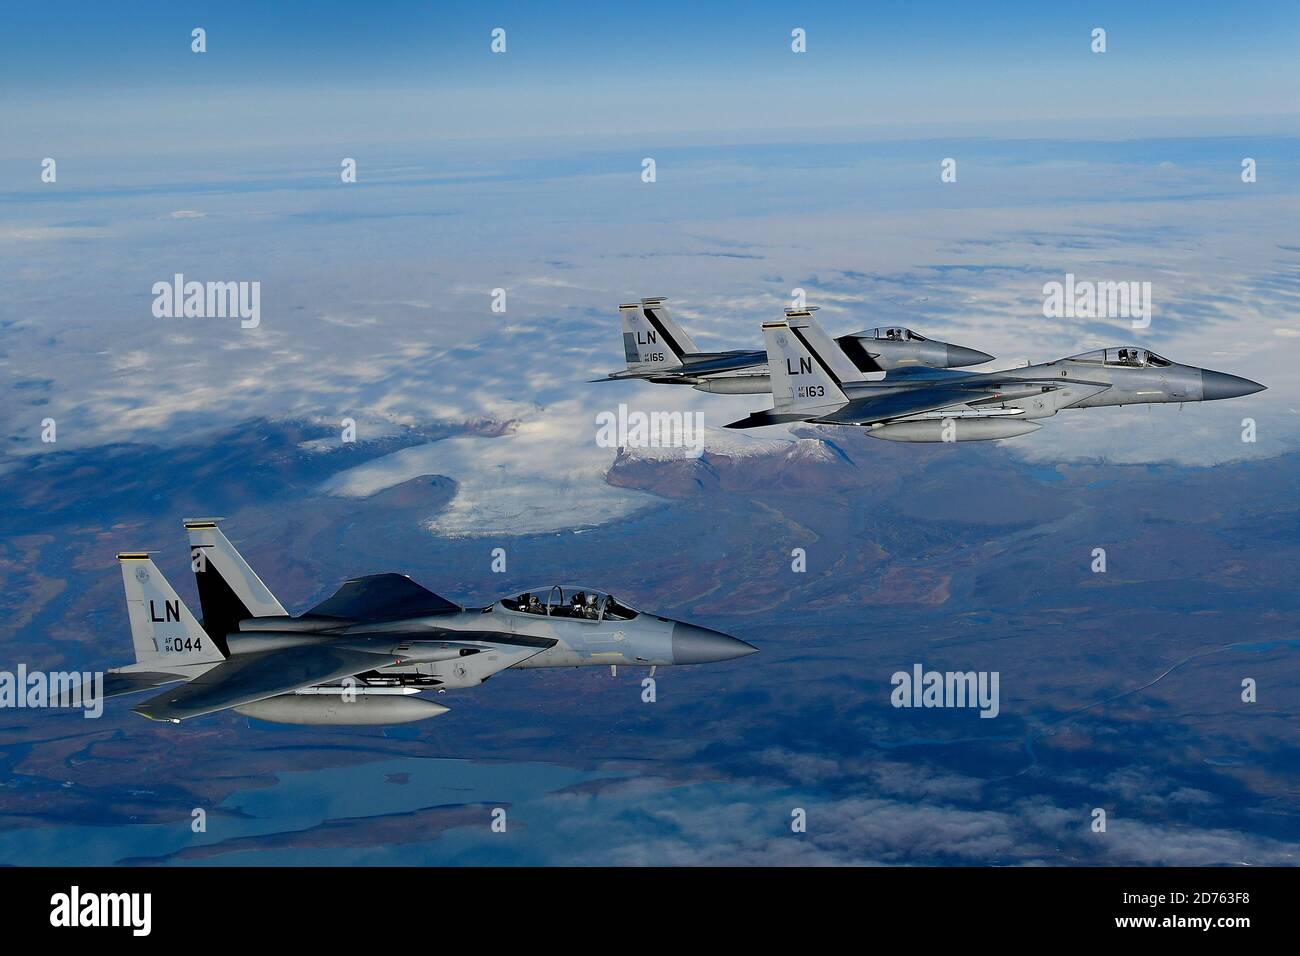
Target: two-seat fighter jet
362 655
658 350
811 381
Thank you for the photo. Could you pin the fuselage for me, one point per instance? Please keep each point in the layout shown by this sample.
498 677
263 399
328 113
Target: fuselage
1091 380
923 406
1125 385
552 631
889 349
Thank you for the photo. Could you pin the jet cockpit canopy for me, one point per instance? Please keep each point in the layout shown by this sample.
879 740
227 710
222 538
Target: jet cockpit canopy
567 601
1127 356
894 333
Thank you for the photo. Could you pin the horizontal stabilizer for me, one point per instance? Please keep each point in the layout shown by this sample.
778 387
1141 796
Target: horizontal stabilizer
117 684
246 678
767 416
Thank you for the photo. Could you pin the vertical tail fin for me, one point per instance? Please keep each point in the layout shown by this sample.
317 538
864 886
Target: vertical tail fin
802 378
229 590
642 346
818 343
674 336
652 341
163 630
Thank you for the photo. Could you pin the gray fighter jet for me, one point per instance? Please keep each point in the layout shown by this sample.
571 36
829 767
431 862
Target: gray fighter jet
811 381
658 350
362 655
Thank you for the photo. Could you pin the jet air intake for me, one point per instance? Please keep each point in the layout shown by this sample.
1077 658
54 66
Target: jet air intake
954 429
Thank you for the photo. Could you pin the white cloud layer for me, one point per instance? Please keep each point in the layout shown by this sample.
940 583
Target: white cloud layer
376 304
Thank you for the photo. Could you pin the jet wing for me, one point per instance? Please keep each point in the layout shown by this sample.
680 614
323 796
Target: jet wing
869 409
873 408
918 373
116 684
380 597
921 391
242 680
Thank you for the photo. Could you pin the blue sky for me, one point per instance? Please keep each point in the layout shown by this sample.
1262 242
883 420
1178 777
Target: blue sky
81 45
122 77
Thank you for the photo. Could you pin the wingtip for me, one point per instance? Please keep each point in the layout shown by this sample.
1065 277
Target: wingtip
143 711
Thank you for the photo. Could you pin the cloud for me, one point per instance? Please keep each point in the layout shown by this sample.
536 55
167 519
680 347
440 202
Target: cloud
544 475
651 821
387 318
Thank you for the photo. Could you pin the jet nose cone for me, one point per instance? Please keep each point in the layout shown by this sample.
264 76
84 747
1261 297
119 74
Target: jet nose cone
1216 385
699 645
959 356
